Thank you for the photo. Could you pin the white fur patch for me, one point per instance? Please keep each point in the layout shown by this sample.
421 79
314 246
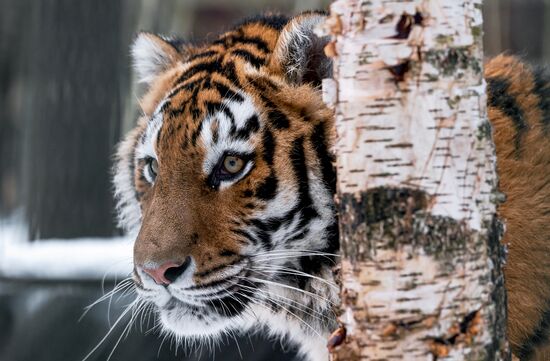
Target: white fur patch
226 142
147 143
128 208
149 57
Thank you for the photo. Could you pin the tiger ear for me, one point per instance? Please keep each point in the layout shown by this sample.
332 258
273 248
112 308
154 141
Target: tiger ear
152 55
300 51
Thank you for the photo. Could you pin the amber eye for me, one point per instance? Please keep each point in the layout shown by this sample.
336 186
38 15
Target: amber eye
153 167
233 164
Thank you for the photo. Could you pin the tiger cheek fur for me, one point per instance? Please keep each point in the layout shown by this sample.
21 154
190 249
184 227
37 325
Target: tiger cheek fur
218 251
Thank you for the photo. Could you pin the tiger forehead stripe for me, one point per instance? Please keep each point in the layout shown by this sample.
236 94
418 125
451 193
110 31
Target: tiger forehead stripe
249 43
229 130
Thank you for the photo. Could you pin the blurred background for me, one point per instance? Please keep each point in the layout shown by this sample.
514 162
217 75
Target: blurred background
66 98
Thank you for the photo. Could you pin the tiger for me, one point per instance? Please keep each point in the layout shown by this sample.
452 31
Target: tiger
227 183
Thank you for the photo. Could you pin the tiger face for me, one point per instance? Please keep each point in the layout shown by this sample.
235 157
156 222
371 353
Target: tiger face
227 182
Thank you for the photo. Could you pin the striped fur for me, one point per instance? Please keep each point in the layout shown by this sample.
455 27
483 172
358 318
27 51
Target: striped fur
260 243
519 109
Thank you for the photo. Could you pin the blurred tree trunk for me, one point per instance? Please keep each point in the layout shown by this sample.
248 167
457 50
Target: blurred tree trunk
71 110
417 187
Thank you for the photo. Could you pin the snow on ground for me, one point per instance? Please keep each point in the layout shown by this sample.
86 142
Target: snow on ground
62 259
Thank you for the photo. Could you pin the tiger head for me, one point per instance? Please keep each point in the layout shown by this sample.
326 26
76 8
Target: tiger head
227 181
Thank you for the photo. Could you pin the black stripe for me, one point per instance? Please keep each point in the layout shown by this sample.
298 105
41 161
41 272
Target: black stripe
230 73
268 188
233 39
246 235
269 225
499 97
262 84
326 159
252 125
299 165
258 42
175 112
269 146
539 337
266 227
248 56
196 133
210 67
191 86
277 119
274 21
265 239
542 89
213 270
204 54
231 118
207 285
235 303
186 86
193 104
227 253
304 207
212 107
332 233
227 93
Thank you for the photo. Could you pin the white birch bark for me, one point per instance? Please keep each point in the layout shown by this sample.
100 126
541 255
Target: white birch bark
417 187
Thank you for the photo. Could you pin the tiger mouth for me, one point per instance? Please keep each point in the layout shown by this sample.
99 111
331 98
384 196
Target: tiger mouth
210 315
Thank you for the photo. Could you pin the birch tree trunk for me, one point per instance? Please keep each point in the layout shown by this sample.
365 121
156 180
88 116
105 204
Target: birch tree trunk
417 188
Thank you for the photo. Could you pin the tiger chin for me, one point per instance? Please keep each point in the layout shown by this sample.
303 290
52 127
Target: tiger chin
227 183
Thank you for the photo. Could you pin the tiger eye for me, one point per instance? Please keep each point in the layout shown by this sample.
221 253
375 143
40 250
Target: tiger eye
233 164
154 167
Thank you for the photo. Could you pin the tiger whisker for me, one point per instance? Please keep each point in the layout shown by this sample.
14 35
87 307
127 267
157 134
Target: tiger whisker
136 310
287 310
229 294
166 335
289 255
298 251
291 303
236 342
229 332
254 279
122 315
291 300
122 285
286 270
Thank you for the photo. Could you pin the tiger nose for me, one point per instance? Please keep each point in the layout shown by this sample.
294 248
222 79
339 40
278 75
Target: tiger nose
168 272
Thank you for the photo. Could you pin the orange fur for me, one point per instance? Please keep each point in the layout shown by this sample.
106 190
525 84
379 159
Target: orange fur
524 168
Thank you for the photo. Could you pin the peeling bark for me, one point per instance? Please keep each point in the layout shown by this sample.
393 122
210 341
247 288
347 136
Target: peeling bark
417 187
